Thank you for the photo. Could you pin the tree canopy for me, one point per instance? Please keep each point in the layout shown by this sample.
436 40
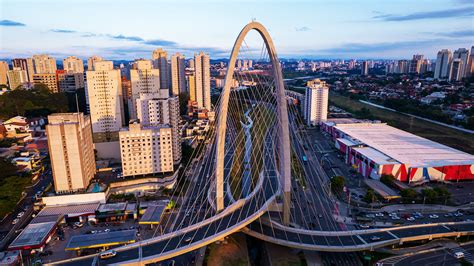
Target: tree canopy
38 101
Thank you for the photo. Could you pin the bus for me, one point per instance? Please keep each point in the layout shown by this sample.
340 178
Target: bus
305 159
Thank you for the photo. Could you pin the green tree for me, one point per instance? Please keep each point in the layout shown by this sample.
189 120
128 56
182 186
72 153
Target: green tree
408 195
387 180
337 184
370 196
7 168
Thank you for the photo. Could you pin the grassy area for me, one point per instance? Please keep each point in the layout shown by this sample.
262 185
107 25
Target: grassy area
297 171
10 192
259 113
445 135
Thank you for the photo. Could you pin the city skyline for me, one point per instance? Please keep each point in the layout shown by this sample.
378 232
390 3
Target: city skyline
340 29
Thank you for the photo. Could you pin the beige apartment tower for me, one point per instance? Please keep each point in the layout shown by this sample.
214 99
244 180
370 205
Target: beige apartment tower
315 108
73 65
160 61
71 151
3 72
202 78
178 74
146 150
44 64
48 79
143 79
16 77
91 60
158 109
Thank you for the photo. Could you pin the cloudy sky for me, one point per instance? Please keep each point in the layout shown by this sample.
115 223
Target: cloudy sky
122 29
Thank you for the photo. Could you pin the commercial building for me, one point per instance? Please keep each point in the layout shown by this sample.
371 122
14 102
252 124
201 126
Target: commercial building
25 64
146 150
48 79
16 77
178 77
375 149
71 151
3 72
91 60
202 78
44 64
443 62
315 107
159 109
144 80
73 64
160 61
69 82
104 90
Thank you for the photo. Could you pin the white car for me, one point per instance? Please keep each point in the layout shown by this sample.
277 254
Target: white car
15 221
434 216
20 214
410 219
379 214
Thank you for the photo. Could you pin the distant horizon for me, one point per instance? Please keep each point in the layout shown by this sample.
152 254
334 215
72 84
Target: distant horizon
300 29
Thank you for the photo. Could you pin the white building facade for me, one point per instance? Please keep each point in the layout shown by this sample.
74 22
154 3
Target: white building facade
315 107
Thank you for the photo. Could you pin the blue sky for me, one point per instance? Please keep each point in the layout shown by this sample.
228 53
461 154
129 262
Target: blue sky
122 29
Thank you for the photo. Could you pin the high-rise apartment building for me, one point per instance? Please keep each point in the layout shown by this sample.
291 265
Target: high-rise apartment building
160 61
315 108
178 76
144 79
73 64
158 109
470 64
456 70
415 64
463 54
48 79
4 68
16 77
202 78
44 64
403 67
443 62
146 149
25 64
91 60
104 89
191 84
365 68
71 151
69 82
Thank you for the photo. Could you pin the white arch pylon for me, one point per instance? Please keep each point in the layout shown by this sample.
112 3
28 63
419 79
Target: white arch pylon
284 137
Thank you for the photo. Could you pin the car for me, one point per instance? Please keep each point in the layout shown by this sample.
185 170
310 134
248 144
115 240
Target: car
364 226
458 214
379 214
20 214
374 238
459 255
107 230
370 216
188 239
447 215
392 214
108 254
411 219
15 221
434 216
395 217
320 216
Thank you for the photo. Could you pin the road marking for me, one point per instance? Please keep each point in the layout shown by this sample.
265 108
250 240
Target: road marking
361 239
94 261
392 234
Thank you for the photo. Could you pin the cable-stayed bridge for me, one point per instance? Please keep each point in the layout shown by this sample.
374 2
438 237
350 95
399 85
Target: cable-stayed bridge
250 177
